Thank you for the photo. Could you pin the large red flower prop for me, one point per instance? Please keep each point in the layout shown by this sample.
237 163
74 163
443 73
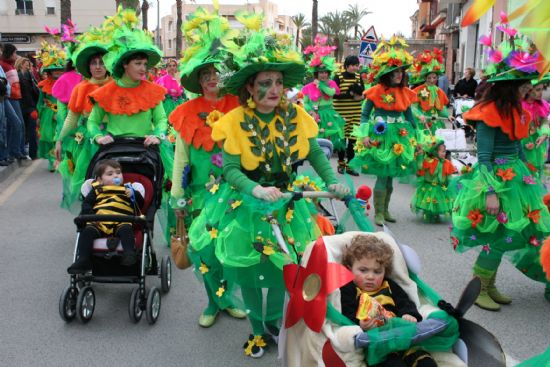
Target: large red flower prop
308 287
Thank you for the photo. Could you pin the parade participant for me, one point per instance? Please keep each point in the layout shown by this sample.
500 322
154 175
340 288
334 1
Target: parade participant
198 160
73 137
318 95
261 140
433 197
386 138
174 95
535 146
52 58
108 196
348 105
431 108
370 261
131 105
499 207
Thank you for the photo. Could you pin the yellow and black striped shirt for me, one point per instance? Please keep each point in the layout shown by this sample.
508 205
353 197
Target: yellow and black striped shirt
111 200
344 104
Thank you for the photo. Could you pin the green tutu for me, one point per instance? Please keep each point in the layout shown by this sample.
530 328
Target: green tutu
48 125
521 225
331 126
434 194
535 156
392 151
170 103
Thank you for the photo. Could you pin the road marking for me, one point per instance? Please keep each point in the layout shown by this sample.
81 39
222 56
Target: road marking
510 361
18 182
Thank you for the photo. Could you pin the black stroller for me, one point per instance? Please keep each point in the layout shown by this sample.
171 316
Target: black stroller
143 165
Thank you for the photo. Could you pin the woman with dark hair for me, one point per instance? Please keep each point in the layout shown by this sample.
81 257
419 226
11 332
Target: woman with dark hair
198 159
499 207
261 141
29 98
319 94
74 149
535 145
348 104
386 138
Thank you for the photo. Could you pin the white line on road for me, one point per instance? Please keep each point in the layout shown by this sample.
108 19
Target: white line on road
18 182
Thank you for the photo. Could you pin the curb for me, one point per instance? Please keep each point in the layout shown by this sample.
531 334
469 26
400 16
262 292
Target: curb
7 171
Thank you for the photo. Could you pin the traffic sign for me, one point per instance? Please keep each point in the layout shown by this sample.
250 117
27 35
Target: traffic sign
369 41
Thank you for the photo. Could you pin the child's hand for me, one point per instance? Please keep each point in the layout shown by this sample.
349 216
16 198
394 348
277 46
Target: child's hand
367 325
128 192
409 318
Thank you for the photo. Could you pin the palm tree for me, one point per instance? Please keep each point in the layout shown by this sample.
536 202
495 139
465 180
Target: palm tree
306 38
355 15
131 4
65 11
314 20
179 20
144 10
300 22
336 26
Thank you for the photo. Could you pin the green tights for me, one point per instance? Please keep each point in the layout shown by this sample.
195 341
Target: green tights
383 183
253 301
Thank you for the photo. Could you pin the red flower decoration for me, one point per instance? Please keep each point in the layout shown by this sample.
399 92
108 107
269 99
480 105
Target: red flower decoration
533 240
475 217
403 132
308 287
506 174
454 240
534 215
395 62
531 167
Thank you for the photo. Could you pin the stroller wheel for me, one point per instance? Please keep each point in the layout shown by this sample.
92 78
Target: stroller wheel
67 304
134 307
152 310
165 274
85 304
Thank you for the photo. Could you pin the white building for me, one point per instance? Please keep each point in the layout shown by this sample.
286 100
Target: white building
22 21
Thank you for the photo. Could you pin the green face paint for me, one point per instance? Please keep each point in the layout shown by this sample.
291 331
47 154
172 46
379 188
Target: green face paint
264 87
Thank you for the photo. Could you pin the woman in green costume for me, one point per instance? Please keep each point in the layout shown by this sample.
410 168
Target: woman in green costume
318 95
52 58
499 207
261 140
431 108
73 138
198 159
386 138
535 145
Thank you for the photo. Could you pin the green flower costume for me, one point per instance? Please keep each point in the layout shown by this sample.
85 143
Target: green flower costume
537 155
434 195
318 95
241 224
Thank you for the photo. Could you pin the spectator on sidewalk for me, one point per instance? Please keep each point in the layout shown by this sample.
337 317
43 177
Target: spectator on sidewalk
4 91
29 97
443 84
16 139
466 87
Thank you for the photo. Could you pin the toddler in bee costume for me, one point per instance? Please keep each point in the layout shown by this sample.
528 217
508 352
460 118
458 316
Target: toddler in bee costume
108 196
433 196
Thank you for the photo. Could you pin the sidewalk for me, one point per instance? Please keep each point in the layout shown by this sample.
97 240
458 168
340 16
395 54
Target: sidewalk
17 165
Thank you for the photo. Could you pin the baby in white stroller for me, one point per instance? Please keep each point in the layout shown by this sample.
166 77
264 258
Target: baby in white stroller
325 337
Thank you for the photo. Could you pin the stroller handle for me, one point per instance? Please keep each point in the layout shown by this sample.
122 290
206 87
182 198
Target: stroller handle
310 194
87 218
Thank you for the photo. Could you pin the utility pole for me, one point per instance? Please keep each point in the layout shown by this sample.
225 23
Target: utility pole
158 24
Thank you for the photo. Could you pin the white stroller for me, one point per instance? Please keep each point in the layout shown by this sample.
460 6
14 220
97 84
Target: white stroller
334 344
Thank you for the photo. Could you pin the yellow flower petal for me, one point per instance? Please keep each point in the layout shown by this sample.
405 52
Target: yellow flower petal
214 188
203 268
289 215
213 233
236 204
268 250
220 292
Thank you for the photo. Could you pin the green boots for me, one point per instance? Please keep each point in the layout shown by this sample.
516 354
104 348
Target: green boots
489 298
387 215
381 204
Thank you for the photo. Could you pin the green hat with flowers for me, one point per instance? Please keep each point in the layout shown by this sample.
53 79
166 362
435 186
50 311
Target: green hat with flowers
91 43
127 39
255 50
321 59
205 34
425 63
389 56
430 143
52 56
516 58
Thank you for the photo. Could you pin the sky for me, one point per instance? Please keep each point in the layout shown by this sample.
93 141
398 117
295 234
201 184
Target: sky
389 16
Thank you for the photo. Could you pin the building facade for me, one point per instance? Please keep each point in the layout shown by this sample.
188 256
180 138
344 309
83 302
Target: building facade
22 21
272 20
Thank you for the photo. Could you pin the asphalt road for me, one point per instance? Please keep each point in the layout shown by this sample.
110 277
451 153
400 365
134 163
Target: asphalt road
37 240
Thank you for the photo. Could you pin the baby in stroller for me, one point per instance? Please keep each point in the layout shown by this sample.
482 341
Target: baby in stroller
109 196
371 298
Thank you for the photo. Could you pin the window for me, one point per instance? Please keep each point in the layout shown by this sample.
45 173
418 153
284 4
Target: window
170 23
23 7
169 44
50 10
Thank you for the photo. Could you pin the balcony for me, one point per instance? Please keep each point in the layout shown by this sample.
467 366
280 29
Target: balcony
432 25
